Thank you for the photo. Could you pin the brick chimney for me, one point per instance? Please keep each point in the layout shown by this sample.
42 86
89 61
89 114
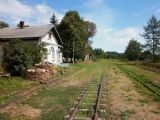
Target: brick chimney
21 24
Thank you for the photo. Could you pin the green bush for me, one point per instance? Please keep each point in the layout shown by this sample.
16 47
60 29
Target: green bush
19 56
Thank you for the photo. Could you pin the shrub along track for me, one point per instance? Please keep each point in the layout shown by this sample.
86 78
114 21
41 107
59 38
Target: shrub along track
91 104
146 83
26 93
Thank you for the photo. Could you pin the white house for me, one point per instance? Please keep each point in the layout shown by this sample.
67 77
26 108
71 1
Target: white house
35 34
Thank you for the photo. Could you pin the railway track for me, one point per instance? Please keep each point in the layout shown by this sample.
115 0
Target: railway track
146 68
149 69
26 93
91 104
146 83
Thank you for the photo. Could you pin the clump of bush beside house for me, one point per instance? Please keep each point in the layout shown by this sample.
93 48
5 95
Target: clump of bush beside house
19 56
24 59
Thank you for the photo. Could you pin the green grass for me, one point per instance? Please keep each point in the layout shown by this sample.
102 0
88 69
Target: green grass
126 113
4 116
53 97
139 79
9 86
1 70
156 111
154 77
143 101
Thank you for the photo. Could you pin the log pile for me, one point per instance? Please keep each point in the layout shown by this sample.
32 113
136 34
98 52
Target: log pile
5 75
41 72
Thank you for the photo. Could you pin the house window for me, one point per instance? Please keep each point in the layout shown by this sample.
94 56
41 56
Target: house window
49 51
59 54
50 35
53 53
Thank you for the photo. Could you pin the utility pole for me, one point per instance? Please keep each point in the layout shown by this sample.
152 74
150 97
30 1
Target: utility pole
73 50
73 57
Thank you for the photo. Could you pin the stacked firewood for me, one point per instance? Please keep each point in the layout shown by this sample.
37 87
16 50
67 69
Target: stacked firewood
41 72
5 75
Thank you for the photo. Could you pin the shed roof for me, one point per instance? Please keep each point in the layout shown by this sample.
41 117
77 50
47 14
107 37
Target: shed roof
27 32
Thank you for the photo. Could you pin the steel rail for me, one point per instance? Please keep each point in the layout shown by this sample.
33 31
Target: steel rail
95 117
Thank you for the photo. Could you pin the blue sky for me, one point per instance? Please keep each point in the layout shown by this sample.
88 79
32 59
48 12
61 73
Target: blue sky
117 21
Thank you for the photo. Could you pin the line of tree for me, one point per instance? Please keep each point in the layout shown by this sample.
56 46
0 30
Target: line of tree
3 24
100 53
150 50
133 50
75 33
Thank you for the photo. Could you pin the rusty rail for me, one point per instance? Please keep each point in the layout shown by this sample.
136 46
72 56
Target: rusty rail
95 117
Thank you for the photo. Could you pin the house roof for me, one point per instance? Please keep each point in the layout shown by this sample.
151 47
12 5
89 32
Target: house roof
27 32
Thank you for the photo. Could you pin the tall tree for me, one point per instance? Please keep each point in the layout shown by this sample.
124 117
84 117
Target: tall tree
152 36
91 28
3 24
74 32
133 50
99 53
54 20
114 55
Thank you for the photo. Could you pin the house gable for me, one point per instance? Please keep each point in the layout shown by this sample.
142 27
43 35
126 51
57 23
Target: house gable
49 38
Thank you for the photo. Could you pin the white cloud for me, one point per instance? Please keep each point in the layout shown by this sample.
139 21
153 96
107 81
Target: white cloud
14 8
116 40
107 37
13 11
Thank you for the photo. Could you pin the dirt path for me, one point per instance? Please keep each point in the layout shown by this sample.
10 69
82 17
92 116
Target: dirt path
126 103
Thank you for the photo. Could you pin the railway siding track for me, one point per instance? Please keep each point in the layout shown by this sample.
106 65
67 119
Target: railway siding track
146 68
146 83
91 103
149 69
26 93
